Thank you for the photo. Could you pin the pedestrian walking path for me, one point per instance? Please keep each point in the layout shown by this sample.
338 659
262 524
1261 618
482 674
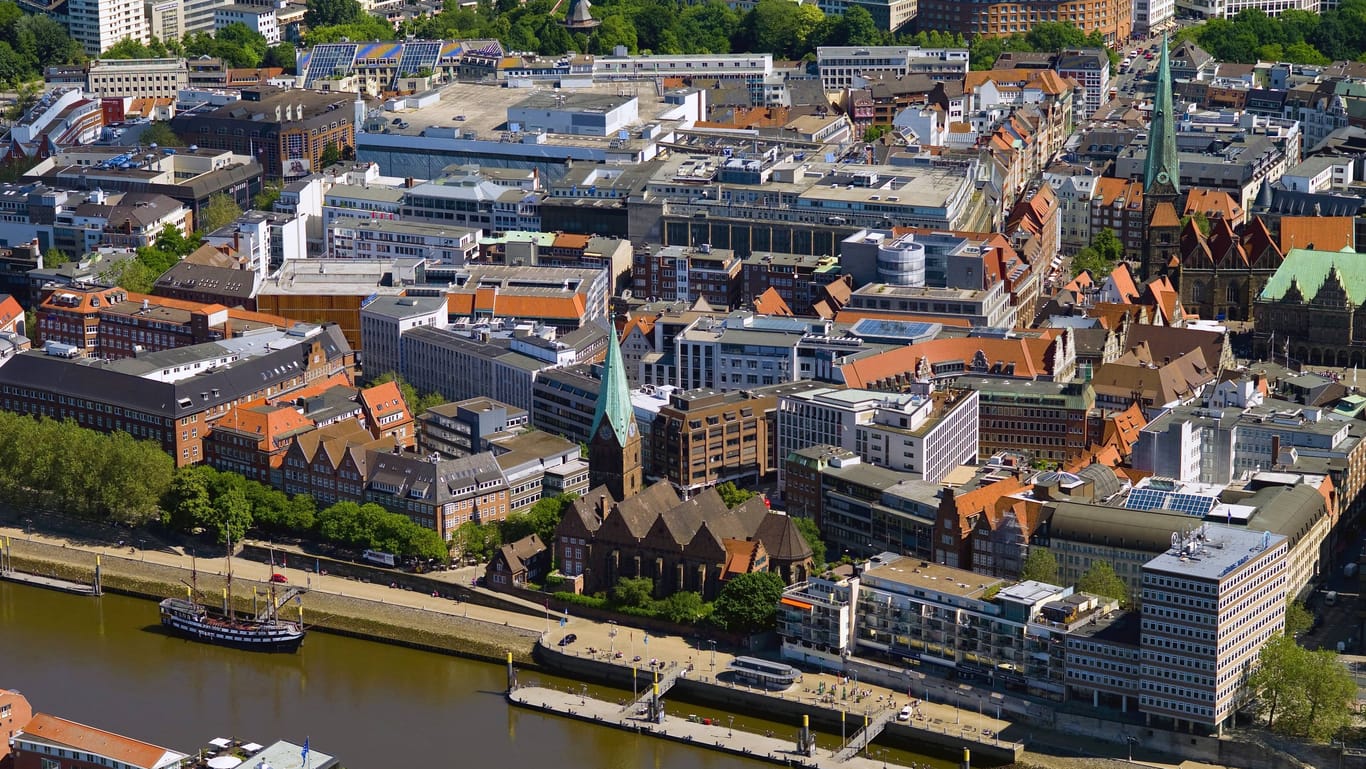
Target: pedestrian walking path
697 732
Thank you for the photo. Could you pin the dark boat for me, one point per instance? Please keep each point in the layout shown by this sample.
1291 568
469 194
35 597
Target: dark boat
192 619
267 632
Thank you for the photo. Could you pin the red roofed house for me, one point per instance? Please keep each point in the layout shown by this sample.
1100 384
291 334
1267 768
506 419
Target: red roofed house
15 713
1222 273
49 742
252 439
1050 356
387 414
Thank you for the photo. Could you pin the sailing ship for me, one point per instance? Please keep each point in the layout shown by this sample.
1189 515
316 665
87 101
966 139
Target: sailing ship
265 632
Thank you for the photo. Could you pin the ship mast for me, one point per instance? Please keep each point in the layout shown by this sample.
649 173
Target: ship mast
227 594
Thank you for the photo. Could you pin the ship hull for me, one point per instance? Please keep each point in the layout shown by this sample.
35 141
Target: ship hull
253 636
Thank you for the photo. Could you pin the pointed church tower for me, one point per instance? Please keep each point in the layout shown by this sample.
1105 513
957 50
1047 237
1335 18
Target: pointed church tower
614 446
1161 180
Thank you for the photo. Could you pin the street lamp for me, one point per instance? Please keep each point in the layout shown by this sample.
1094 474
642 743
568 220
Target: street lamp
612 635
713 655
1130 740
142 549
730 726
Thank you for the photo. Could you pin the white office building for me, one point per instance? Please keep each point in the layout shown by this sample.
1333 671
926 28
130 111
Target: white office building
98 24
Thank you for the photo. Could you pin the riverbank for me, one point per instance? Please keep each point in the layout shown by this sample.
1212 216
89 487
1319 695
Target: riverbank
334 612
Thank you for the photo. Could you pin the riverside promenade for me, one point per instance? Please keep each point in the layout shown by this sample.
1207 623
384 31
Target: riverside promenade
712 736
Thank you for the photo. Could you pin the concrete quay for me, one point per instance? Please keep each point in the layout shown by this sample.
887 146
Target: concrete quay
710 736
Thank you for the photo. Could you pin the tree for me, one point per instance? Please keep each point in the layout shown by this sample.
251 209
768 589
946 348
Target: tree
812 535
633 592
127 48
614 30
1275 681
1298 619
331 155
55 257
873 133
161 135
265 199
283 56
473 540
327 13
541 519
1329 696
733 495
221 210
1040 566
749 602
684 608
133 275
856 27
1202 221
231 516
1099 258
1102 580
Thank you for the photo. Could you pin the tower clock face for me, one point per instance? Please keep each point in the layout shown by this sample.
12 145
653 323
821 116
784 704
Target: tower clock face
605 432
1162 177
631 430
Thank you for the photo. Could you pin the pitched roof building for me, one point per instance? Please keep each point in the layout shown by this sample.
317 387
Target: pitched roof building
692 545
49 742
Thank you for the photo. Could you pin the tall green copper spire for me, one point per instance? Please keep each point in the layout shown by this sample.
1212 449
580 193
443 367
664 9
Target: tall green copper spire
614 399
1161 172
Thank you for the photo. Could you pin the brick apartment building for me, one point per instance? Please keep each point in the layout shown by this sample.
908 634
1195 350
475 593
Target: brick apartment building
174 396
114 323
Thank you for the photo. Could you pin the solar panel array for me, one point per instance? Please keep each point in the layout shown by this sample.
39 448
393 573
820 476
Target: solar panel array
418 56
1159 499
329 59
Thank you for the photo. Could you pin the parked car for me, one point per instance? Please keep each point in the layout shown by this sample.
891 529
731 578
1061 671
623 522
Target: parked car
278 578
569 639
905 714
396 121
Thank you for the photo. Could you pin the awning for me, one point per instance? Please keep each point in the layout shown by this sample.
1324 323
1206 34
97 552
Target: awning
794 603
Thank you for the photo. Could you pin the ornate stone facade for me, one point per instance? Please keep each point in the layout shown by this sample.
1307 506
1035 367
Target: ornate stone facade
1223 273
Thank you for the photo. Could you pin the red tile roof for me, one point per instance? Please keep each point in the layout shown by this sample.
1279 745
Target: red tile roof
1320 233
88 739
771 303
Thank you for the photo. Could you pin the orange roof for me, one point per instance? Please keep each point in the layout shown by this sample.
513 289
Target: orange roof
1166 298
88 739
571 240
741 555
1164 215
1121 429
1320 233
315 389
1029 357
9 310
1096 455
771 303
270 422
506 305
1080 283
383 400
987 500
1123 281
853 316
1109 191
646 324
1213 204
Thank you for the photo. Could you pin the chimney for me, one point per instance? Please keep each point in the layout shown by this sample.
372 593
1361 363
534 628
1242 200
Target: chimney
410 182
602 508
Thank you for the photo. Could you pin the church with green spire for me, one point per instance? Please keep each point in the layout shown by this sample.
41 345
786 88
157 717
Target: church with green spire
1162 202
614 447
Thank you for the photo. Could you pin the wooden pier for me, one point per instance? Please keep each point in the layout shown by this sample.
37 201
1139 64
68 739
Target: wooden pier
9 574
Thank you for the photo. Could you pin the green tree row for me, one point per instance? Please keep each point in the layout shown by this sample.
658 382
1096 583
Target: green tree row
747 603
1300 692
102 476
1295 36
1048 37
236 44
29 42
171 245
482 540
225 503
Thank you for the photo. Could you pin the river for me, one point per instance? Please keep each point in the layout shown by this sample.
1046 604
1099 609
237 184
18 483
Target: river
107 663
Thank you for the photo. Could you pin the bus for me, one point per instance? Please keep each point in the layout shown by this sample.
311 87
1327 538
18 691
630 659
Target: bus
379 558
774 676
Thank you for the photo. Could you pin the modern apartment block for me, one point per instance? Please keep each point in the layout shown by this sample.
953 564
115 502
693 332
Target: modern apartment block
679 273
99 24
840 65
138 78
1209 604
1112 18
926 432
384 238
383 322
703 437
1046 420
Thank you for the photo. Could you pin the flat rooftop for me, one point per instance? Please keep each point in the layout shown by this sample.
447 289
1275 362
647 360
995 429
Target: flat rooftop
484 110
913 572
1216 554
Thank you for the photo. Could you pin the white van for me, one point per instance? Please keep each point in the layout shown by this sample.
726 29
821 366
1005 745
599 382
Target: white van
1330 598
